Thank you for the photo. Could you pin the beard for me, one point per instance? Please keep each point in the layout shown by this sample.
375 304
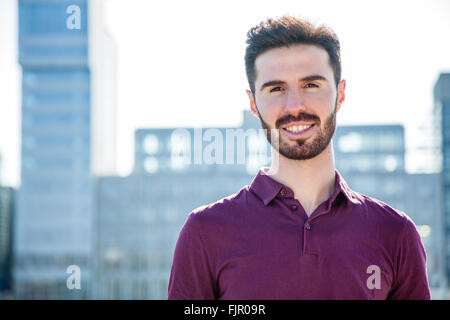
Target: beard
302 149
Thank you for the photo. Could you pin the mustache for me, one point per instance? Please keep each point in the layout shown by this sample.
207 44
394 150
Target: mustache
291 118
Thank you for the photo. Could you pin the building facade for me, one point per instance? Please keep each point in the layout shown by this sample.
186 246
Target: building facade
139 216
6 223
60 48
441 112
177 170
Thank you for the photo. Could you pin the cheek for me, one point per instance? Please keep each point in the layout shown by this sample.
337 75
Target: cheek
270 109
322 98
321 104
269 115
268 104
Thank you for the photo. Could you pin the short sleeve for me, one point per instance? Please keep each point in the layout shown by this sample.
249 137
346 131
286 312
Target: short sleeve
191 275
411 282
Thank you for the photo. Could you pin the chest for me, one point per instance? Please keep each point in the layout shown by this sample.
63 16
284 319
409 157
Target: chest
292 261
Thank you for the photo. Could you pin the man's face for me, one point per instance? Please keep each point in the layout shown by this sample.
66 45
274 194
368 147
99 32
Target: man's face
295 94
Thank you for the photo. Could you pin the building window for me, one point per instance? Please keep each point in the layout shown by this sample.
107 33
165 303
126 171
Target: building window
29 79
392 141
180 148
115 292
29 163
29 101
136 292
424 230
151 164
393 186
144 289
390 163
351 142
447 206
363 163
150 144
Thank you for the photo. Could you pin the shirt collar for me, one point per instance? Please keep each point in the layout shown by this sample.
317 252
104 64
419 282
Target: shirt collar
267 188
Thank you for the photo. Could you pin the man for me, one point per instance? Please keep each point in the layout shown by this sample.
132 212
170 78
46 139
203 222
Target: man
297 231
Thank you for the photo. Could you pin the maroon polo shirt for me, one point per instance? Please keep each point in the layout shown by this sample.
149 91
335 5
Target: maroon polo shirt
259 244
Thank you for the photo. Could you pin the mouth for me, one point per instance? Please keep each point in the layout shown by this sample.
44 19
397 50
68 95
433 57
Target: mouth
296 132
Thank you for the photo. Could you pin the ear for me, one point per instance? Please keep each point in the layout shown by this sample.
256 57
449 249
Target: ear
340 94
252 103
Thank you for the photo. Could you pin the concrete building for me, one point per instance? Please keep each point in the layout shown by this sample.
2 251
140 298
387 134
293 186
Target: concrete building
441 113
65 97
6 223
139 217
1 172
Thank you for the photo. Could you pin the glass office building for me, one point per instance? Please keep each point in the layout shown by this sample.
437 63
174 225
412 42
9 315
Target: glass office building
62 100
442 123
6 222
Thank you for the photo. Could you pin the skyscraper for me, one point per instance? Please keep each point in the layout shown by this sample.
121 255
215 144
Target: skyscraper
6 216
64 54
442 121
1 169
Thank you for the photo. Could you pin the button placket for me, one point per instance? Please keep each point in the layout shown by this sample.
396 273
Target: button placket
307 234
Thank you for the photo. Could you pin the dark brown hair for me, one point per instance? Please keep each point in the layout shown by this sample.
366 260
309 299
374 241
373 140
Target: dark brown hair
286 31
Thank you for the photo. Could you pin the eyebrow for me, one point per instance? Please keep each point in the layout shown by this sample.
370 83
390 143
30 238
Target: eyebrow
271 83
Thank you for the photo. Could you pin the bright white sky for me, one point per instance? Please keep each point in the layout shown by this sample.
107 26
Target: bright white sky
180 63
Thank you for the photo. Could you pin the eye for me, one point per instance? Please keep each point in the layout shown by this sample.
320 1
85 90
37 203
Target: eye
275 89
312 84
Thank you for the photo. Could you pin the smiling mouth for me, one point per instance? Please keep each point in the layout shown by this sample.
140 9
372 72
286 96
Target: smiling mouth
298 131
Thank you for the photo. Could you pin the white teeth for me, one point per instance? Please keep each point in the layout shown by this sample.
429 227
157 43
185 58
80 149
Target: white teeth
298 128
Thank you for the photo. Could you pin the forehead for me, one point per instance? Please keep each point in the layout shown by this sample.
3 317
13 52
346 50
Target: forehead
295 61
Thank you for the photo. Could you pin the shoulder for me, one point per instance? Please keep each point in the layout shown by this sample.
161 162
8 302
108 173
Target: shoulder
382 215
212 226
219 212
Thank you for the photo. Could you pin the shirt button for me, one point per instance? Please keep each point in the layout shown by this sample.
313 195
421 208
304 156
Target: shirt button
283 192
307 226
294 207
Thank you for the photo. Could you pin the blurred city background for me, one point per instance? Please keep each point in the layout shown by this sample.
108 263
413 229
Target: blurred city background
93 95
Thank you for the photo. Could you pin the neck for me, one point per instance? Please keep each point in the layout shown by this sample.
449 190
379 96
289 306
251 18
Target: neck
312 180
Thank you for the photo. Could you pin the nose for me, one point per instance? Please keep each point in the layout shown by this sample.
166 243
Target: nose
294 100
